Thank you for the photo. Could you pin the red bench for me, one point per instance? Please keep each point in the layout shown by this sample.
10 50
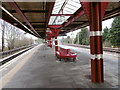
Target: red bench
65 54
50 45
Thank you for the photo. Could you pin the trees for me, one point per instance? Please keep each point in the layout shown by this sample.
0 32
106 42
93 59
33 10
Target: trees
13 37
82 37
67 40
112 36
114 33
105 37
10 35
105 34
2 31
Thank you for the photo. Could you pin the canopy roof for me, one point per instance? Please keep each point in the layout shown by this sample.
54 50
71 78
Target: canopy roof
38 15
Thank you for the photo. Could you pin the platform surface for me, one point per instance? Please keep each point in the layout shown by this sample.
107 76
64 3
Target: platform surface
43 70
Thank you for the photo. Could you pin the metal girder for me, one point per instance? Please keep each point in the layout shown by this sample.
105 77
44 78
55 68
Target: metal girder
54 26
113 13
36 26
50 7
77 27
39 30
30 11
25 22
17 9
61 14
79 21
108 15
86 7
77 14
37 22
8 19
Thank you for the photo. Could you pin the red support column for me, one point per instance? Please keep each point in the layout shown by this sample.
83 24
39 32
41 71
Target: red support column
49 37
56 44
96 42
55 29
49 43
95 12
55 33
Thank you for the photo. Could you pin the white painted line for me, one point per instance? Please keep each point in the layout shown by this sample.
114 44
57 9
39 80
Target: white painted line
95 33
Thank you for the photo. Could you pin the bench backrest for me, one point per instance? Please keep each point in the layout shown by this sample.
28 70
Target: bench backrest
63 50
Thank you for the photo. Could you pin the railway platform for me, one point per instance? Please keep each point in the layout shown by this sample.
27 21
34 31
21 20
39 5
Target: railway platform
39 68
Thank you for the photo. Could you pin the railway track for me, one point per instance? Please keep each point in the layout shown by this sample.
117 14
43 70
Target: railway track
116 50
10 57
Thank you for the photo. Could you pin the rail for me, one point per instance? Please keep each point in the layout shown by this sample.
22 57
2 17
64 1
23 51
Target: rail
13 53
116 50
10 52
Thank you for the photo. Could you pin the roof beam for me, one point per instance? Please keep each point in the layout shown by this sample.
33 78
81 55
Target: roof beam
39 26
50 7
7 16
37 22
76 15
36 26
40 31
111 14
108 15
61 14
30 22
30 11
17 9
80 21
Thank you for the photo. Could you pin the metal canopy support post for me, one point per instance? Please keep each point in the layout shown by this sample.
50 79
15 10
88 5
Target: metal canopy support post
56 44
55 29
95 12
55 33
49 39
96 43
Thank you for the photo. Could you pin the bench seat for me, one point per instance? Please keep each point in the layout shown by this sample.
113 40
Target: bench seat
65 54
